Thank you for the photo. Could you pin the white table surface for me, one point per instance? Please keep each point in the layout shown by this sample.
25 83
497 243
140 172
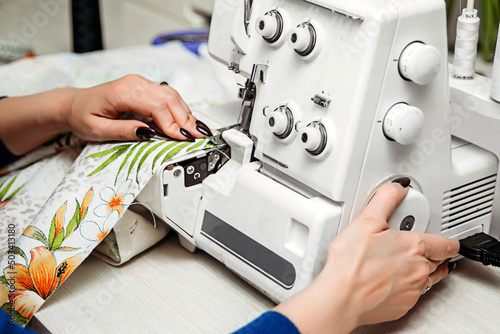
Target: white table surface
169 290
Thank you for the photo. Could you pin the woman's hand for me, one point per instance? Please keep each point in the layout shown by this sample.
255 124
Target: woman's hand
93 114
95 111
372 274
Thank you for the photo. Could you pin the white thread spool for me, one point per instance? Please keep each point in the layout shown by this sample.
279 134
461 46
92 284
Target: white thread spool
464 62
495 76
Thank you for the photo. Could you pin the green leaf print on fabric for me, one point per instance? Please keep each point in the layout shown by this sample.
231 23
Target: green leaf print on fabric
57 234
138 153
5 187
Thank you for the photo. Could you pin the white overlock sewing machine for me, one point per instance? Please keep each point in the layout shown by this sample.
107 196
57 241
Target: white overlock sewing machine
340 98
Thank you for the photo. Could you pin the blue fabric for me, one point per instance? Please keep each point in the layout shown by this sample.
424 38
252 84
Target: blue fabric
191 39
7 326
6 156
269 323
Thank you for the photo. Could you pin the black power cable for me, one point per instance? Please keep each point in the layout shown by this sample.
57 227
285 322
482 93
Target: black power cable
481 247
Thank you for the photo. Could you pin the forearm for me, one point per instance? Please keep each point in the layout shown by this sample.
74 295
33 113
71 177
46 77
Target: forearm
322 307
28 121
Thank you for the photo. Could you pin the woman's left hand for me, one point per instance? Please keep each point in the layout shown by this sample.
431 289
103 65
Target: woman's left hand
95 112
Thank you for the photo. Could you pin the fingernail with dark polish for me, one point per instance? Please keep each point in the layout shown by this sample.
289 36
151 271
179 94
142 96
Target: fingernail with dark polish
203 128
402 181
186 134
451 267
145 133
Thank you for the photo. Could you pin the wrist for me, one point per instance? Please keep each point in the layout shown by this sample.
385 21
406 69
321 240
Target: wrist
66 98
28 121
322 307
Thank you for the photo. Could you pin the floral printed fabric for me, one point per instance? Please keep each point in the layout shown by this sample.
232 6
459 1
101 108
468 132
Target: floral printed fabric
52 211
87 202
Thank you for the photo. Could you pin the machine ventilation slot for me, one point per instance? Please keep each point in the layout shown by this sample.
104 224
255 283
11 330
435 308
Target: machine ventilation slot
468 202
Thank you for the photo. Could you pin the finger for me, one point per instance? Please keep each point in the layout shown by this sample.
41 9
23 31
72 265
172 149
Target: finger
156 108
438 248
171 114
441 272
195 127
433 265
123 130
147 98
174 103
385 201
166 122
180 111
200 128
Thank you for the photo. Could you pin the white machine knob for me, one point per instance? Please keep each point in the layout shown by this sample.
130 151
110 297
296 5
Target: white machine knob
419 63
412 214
266 25
403 123
278 122
310 138
270 26
302 39
313 138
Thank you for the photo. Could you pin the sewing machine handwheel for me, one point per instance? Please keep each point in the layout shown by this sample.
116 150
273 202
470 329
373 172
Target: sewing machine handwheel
412 214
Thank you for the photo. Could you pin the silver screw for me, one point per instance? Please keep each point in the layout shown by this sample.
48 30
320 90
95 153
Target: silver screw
190 170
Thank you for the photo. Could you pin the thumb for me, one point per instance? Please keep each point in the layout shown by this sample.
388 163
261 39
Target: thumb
386 200
124 130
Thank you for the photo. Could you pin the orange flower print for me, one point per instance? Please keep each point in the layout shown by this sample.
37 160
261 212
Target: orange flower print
36 283
115 201
101 235
3 203
91 231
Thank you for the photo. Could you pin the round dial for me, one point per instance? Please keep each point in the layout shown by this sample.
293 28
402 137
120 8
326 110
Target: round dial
280 122
270 26
412 214
403 123
419 63
313 138
303 39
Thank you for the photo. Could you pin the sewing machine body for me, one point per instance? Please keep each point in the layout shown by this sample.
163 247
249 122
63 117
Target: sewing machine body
312 143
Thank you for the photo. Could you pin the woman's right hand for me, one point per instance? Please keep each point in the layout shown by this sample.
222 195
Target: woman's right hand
372 273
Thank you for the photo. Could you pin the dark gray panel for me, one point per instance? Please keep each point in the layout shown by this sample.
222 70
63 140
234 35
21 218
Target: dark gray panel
260 257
